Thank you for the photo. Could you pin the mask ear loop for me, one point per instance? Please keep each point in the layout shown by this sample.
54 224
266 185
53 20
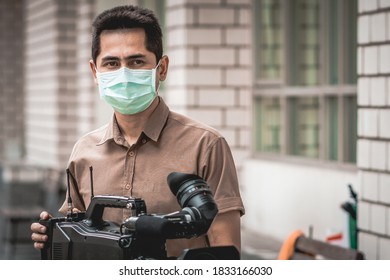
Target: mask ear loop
158 85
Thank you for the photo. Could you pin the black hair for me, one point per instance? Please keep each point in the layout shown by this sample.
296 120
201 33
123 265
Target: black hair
128 16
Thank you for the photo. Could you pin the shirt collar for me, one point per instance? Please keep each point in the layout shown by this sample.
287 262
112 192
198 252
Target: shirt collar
157 120
153 127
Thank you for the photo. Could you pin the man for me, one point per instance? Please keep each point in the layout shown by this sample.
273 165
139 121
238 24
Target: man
144 142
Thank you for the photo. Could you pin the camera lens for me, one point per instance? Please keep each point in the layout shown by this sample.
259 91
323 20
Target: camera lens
192 191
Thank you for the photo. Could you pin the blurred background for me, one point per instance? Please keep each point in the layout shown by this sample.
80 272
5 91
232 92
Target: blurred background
299 88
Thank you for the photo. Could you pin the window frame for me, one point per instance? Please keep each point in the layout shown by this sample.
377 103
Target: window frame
282 88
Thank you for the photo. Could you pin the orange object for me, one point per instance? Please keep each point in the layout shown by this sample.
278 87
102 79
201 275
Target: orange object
287 250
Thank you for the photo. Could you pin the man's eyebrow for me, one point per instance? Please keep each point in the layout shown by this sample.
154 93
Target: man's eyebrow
134 56
110 58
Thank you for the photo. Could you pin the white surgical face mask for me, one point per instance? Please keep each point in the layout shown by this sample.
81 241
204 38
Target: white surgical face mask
128 91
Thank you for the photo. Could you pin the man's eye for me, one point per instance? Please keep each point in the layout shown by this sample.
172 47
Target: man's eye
137 62
110 64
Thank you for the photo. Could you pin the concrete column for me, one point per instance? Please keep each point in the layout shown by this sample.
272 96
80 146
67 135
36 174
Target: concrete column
210 77
374 128
50 77
11 80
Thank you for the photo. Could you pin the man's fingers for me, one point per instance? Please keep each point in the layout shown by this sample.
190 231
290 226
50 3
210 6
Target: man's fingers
39 237
39 245
44 215
38 228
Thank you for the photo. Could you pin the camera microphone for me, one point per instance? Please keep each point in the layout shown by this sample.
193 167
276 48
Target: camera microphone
198 210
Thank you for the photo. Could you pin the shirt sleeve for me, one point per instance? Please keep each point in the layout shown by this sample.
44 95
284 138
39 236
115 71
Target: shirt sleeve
220 173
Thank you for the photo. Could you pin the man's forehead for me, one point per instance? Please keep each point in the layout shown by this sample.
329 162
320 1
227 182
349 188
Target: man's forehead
124 31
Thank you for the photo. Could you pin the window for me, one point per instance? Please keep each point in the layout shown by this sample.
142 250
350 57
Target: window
269 44
305 91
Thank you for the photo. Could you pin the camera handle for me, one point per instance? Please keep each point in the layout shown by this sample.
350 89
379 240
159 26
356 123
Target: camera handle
94 213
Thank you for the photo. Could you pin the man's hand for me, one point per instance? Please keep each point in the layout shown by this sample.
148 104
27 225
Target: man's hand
39 231
39 235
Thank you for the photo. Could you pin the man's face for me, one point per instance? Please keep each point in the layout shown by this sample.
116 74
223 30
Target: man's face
126 48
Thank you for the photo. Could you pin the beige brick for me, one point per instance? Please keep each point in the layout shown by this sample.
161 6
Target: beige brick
245 17
368 244
363 153
216 56
364 91
360 60
388 221
244 97
177 77
204 36
177 38
238 36
245 57
384 248
384 58
238 77
369 120
204 77
388 91
378 155
378 219
364 29
245 138
212 117
230 135
378 91
388 156
378 27
216 97
364 215
384 189
370 60
237 117
181 97
181 57
179 17
370 185
219 16
384 3
388 26
384 126
368 5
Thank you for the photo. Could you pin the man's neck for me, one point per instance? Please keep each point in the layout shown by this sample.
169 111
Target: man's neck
132 126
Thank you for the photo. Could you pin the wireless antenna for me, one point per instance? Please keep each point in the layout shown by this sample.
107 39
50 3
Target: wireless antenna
70 204
91 180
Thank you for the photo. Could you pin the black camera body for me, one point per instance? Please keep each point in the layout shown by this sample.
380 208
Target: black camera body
85 235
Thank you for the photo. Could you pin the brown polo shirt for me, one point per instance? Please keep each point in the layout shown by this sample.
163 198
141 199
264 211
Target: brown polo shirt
170 142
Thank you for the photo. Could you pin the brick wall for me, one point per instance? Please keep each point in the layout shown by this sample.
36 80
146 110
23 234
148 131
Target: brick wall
50 67
374 127
11 79
209 45
87 95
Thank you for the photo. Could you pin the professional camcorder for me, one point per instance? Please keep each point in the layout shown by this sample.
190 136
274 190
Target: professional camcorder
85 235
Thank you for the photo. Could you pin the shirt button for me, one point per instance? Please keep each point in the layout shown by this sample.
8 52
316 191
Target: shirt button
127 186
131 154
143 141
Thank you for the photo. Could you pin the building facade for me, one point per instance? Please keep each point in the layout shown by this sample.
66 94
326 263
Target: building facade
299 88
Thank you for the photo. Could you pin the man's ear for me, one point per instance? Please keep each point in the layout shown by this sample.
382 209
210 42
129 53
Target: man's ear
93 69
163 68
